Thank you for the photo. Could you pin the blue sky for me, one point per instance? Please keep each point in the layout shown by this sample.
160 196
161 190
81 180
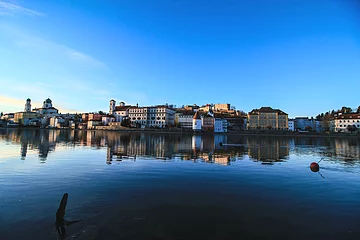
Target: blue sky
300 56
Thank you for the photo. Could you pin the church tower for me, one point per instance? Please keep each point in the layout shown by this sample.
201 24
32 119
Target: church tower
112 106
28 105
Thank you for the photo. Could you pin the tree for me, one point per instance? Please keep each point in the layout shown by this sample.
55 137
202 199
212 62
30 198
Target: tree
308 128
269 127
346 110
101 112
351 128
125 122
1 114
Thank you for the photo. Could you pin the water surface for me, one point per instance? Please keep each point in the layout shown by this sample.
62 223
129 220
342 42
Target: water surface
175 186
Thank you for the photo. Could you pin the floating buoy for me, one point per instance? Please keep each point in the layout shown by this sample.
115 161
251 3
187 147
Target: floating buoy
314 166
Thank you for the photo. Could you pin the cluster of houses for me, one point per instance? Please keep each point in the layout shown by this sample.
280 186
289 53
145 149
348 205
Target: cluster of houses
209 118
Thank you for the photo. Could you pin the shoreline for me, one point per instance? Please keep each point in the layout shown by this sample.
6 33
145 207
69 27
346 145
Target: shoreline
176 131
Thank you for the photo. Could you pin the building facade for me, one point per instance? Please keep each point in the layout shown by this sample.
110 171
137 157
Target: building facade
185 120
220 125
196 126
291 125
207 123
47 109
222 107
267 118
345 122
154 116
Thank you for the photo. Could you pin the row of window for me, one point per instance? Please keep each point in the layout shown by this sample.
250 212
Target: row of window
144 118
350 125
350 121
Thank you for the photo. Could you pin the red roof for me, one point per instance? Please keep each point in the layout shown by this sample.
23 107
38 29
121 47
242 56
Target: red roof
122 108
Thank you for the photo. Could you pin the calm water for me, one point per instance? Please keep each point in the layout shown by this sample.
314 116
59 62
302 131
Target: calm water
163 186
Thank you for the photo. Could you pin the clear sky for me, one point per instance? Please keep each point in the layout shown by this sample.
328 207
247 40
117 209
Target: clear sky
300 56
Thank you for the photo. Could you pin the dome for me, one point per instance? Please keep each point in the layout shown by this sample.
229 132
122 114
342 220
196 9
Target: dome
28 100
48 100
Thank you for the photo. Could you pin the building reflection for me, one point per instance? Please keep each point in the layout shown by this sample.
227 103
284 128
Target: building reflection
268 149
208 148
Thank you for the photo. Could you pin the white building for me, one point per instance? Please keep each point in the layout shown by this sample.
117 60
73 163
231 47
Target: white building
220 125
56 122
93 123
186 121
343 121
196 126
291 125
155 116
107 119
47 109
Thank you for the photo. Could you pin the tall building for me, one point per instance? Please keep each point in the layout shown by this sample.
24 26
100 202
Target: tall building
28 105
197 122
267 118
112 106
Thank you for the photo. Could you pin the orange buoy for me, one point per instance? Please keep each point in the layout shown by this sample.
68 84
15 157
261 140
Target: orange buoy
314 166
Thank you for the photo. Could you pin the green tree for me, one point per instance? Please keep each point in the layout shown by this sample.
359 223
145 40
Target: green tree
125 122
308 128
351 128
346 110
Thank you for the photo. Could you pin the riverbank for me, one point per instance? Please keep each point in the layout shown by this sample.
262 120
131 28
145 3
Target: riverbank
179 131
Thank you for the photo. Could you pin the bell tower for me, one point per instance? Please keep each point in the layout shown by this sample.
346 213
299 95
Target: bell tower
112 106
28 105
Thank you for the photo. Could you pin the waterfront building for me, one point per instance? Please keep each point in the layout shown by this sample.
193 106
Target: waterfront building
196 126
106 120
47 110
207 123
95 117
344 122
235 123
154 116
267 118
24 118
185 120
220 125
91 124
291 124
121 112
304 124
8 117
57 122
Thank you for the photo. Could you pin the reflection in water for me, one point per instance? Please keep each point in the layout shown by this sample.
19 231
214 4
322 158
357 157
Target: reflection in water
268 149
206 148
177 200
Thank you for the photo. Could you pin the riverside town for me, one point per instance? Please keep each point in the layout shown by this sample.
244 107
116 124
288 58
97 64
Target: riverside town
218 118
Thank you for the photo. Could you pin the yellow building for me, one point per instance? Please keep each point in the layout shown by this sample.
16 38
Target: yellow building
24 118
267 118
